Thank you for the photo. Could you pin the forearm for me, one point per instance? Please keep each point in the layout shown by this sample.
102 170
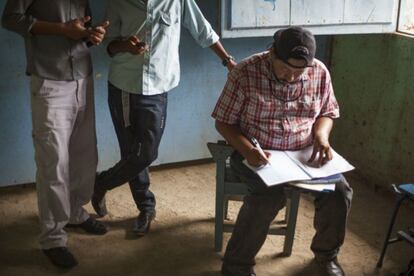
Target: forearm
48 28
234 137
322 127
219 50
14 17
116 46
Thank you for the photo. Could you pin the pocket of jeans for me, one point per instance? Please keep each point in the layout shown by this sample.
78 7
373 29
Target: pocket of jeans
41 88
44 148
35 85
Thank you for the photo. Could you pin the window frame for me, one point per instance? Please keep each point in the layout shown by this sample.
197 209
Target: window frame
410 30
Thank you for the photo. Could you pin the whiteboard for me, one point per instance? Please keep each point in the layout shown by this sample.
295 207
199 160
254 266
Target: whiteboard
253 18
305 12
248 13
368 11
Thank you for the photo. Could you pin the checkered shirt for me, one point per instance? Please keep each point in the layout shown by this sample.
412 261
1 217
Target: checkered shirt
280 116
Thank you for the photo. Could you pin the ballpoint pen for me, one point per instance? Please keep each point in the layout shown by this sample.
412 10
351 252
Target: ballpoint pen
140 28
259 148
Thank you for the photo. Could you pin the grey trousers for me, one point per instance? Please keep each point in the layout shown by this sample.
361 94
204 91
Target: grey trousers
261 206
64 138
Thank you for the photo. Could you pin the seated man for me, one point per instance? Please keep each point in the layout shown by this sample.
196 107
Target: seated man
284 98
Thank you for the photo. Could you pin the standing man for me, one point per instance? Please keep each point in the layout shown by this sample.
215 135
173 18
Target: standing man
284 98
145 66
56 35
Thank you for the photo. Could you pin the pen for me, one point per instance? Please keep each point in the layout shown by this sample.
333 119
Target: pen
259 148
140 27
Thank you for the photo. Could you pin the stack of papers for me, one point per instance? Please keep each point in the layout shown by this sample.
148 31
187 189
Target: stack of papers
289 166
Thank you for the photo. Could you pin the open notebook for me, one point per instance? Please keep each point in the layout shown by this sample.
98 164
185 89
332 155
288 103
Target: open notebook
288 166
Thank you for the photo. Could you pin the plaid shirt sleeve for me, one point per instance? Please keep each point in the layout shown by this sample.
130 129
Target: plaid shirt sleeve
330 107
230 104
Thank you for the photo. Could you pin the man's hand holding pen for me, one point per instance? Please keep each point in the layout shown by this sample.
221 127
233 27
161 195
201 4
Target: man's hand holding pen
256 156
134 46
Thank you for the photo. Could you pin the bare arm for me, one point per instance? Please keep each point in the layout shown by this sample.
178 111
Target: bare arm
16 19
222 54
322 129
73 29
130 45
234 137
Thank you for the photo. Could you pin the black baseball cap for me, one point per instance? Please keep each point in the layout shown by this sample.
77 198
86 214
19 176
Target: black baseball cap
295 42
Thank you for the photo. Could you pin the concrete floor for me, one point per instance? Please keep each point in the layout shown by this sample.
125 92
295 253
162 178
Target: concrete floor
181 239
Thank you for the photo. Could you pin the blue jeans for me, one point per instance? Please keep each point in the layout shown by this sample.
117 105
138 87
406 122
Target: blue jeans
139 122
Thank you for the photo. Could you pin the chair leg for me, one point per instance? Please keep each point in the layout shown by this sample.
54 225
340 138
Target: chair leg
291 222
218 225
389 231
287 210
226 208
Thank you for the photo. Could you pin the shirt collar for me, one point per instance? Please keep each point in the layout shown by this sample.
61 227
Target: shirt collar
268 69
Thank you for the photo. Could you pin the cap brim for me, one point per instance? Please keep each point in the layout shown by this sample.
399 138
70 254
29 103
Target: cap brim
299 67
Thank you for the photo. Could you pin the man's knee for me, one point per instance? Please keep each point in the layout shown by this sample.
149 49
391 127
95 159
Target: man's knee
265 206
142 156
344 190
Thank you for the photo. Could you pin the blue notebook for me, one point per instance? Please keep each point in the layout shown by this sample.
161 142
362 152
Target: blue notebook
408 188
324 180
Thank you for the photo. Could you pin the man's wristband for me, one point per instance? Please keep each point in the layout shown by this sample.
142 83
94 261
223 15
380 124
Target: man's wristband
226 60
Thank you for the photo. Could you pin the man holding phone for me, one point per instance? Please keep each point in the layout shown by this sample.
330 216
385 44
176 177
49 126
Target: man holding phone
145 66
57 37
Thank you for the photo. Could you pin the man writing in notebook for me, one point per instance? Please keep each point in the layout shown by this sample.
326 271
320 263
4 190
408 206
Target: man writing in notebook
283 98
145 66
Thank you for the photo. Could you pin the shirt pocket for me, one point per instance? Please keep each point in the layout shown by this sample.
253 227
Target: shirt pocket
309 106
262 112
165 23
259 108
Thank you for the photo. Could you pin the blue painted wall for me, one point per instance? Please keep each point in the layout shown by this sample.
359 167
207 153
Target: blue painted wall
189 125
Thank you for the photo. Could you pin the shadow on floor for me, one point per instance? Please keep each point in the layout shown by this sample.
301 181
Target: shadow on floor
179 247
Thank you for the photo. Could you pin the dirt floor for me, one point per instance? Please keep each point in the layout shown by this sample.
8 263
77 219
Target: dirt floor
181 239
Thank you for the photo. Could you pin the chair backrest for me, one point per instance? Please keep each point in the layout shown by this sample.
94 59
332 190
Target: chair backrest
221 152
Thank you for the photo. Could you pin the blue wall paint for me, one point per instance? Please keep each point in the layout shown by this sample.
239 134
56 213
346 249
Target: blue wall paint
189 125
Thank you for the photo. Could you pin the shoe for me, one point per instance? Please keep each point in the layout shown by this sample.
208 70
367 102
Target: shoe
331 267
90 226
61 257
226 272
98 200
143 222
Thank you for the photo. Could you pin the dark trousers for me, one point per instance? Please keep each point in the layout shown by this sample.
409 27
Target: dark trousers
139 122
261 206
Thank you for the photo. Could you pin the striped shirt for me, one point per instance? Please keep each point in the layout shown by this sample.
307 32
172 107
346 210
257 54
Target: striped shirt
280 116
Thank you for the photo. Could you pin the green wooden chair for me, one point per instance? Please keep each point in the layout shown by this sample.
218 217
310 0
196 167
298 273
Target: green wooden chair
229 187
